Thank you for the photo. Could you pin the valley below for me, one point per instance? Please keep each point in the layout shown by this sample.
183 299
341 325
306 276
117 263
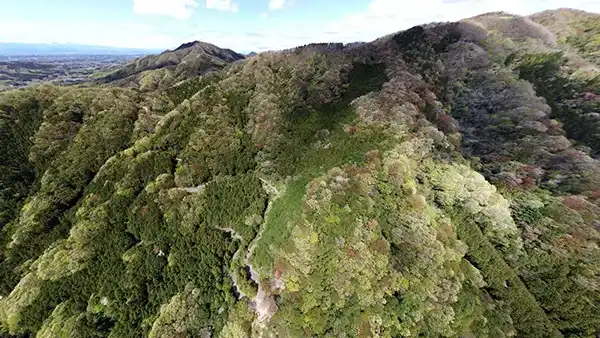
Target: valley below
20 71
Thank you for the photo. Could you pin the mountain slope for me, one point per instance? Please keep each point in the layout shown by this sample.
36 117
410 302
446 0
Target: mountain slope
434 182
188 60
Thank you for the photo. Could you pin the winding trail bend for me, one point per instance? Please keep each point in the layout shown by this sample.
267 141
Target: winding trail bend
263 303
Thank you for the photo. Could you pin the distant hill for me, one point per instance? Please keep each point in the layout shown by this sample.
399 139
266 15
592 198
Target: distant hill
576 29
188 60
16 48
565 22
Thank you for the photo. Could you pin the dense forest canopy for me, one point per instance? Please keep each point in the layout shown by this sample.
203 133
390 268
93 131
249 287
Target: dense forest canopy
442 181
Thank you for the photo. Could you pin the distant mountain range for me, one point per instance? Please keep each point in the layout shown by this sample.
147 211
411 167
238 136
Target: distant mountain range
17 48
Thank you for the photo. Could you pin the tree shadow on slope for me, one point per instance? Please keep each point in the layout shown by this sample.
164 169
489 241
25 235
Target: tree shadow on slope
315 140
314 137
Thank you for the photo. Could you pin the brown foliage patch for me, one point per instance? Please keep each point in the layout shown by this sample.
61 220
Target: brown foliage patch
372 224
528 183
575 202
351 252
381 246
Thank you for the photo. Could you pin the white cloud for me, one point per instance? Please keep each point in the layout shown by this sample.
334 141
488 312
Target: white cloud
276 4
382 17
179 9
379 18
264 15
222 5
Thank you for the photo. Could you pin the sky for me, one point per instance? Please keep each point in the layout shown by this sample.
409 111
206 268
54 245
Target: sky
242 25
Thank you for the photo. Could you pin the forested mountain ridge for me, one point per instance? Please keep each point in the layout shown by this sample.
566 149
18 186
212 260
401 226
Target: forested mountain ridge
442 181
